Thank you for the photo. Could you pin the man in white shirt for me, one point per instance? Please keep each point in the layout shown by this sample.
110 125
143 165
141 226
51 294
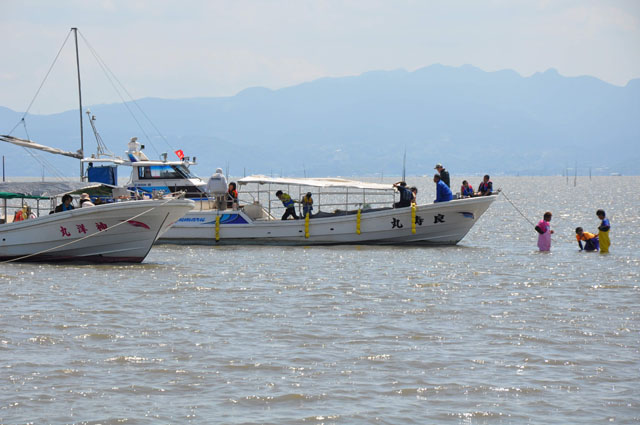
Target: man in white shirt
217 188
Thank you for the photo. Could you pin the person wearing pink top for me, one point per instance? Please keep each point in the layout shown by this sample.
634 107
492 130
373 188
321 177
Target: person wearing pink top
544 232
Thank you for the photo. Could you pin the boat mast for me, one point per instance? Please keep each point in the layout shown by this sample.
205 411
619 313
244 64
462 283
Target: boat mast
75 34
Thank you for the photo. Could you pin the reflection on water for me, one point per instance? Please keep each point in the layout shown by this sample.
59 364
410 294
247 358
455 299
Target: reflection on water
489 331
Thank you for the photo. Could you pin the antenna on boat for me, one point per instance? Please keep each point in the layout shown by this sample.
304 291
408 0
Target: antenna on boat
404 165
75 35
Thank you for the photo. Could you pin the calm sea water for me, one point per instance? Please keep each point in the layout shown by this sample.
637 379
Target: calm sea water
487 332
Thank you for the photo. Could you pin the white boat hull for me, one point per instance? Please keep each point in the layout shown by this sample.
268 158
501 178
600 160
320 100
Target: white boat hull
118 232
443 223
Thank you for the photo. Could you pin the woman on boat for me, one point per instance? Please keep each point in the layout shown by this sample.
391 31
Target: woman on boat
65 205
232 196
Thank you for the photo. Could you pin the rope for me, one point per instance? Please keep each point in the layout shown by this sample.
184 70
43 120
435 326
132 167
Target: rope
43 161
88 236
111 77
42 84
517 209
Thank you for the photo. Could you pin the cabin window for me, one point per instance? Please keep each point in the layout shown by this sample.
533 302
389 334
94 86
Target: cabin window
158 172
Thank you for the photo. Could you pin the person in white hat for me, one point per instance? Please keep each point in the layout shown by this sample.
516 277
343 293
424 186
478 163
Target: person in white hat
85 201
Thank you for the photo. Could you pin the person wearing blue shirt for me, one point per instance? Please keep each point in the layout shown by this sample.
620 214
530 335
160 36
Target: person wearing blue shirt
443 193
466 191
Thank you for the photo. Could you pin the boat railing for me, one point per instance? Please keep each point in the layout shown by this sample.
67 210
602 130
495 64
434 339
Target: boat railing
334 199
11 206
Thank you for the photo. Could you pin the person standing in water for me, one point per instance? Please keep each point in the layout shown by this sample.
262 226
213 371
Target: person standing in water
603 235
544 232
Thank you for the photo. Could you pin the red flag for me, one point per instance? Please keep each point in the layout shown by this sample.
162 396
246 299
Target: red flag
180 154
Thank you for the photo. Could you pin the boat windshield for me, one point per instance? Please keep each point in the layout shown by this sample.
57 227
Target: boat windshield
164 171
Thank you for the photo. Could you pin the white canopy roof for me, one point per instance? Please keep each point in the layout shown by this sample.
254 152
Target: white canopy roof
324 182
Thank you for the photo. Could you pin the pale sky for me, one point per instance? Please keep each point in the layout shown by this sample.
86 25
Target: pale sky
199 48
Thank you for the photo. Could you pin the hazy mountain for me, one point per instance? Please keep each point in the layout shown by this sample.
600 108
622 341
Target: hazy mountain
470 120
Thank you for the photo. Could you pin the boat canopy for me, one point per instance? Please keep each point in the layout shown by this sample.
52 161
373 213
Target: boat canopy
315 182
11 195
45 190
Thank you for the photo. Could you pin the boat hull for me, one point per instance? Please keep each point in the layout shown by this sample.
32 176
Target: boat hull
435 224
118 232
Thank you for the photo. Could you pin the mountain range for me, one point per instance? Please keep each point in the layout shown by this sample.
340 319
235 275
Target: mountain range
472 121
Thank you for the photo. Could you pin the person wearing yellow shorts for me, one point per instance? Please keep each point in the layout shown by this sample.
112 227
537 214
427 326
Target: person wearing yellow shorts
603 235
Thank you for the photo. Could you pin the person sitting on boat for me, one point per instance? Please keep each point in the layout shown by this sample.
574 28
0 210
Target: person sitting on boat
85 201
23 214
232 196
288 204
443 193
405 195
217 188
444 174
65 205
591 242
414 197
466 190
307 204
485 187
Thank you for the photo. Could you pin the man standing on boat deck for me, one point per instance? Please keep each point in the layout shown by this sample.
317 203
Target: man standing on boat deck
217 187
443 193
444 174
288 204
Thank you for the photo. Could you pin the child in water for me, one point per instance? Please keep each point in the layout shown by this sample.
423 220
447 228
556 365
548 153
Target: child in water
545 232
591 242
603 235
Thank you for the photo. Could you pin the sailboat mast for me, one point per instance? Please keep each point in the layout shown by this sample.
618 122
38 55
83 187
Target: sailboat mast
75 34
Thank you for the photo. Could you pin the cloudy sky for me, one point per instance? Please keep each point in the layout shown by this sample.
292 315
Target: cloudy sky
202 48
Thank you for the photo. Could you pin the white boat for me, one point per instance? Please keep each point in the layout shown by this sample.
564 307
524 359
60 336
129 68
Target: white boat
114 232
357 221
257 219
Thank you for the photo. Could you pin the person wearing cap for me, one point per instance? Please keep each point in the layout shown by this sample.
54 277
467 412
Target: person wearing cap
288 204
85 201
307 204
444 174
217 188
